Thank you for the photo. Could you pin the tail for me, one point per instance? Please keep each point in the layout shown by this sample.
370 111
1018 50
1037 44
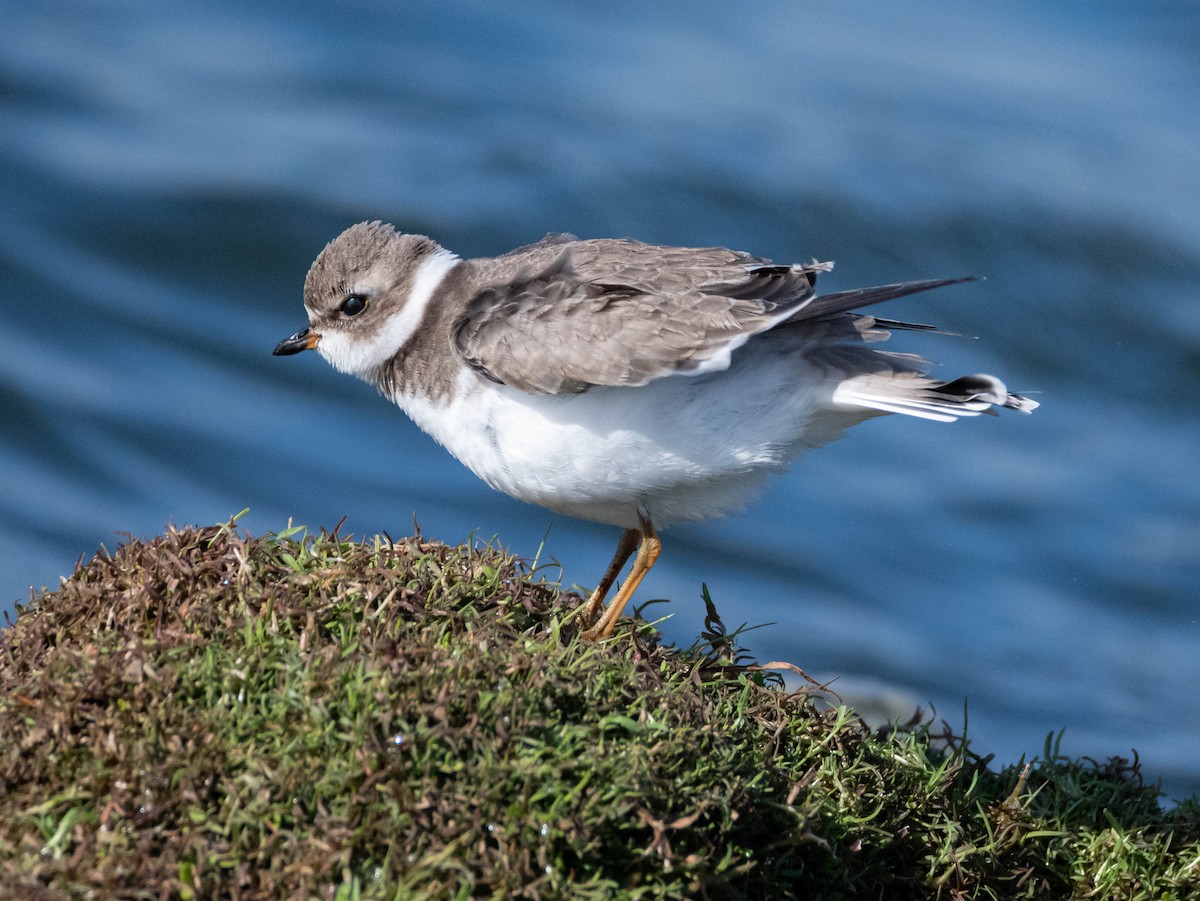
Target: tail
915 394
896 383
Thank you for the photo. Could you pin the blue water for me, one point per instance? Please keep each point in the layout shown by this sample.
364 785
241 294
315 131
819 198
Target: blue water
167 174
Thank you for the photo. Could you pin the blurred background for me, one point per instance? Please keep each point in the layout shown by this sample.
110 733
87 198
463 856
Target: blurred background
168 172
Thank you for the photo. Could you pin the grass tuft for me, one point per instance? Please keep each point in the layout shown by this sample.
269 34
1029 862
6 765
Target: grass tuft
209 715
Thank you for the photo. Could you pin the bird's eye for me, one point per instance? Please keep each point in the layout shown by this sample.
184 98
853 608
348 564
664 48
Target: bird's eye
353 305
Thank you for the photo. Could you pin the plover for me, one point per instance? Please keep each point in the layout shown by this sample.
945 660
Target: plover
626 383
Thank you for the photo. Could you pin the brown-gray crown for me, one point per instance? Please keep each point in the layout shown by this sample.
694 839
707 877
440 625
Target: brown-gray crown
363 264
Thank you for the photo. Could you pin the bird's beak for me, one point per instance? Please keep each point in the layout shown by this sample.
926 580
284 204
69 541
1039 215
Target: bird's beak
305 339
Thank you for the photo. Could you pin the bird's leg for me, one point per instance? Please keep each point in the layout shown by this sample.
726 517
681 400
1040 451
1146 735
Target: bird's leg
648 552
595 604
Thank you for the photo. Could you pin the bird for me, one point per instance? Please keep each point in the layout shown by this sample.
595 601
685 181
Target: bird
611 380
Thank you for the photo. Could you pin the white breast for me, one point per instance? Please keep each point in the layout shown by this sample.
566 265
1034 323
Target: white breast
678 448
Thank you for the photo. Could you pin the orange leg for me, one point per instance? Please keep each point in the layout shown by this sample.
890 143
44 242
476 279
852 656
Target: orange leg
647 553
595 604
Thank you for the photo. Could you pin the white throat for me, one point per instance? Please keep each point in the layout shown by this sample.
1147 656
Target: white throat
362 355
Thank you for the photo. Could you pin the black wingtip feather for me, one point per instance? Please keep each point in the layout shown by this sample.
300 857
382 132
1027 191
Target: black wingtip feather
844 301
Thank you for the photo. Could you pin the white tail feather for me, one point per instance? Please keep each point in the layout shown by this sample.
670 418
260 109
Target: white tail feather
912 395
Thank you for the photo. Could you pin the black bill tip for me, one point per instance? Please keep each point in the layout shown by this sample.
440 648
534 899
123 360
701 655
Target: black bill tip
302 340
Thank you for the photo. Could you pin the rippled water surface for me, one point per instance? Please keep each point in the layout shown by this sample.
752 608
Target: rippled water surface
166 176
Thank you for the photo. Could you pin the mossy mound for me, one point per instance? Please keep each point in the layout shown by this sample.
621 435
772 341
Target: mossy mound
208 715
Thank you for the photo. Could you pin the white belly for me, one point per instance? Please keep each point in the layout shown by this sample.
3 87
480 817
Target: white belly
679 448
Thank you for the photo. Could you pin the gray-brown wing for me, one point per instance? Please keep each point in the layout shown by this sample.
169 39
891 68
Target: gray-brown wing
617 312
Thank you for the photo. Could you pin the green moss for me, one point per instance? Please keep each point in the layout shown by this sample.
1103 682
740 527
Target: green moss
208 715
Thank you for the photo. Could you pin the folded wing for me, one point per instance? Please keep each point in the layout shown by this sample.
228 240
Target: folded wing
609 312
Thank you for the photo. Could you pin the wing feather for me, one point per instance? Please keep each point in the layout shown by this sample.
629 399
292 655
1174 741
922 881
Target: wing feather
583 313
